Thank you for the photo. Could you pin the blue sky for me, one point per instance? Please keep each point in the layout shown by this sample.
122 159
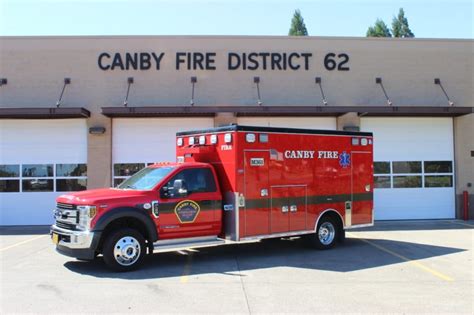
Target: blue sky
428 19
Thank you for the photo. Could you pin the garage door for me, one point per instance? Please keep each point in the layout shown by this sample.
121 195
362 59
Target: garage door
413 167
39 160
141 141
291 122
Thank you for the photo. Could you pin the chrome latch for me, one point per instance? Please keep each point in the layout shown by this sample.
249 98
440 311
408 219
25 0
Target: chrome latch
264 192
293 208
284 209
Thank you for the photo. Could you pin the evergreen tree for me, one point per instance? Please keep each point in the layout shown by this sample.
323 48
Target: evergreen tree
380 29
400 26
298 28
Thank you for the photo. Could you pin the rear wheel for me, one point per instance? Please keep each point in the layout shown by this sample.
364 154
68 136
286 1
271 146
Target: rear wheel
124 249
327 234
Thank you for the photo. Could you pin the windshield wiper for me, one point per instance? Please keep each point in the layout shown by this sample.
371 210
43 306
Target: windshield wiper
130 186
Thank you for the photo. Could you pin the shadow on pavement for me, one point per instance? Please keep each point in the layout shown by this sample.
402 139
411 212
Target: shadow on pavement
419 225
354 255
24 230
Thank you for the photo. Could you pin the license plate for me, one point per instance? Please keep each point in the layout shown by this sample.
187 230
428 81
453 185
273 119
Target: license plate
55 239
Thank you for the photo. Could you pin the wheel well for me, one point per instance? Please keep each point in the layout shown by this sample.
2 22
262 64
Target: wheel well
333 214
125 222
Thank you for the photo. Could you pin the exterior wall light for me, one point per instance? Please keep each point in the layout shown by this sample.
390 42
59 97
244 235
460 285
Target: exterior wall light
67 81
97 130
256 80
193 82
379 81
318 81
437 81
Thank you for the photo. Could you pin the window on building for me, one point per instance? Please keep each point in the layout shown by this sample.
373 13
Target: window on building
71 177
382 178
42 177
438 174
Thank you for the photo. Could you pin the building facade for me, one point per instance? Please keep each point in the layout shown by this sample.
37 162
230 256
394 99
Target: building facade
87 112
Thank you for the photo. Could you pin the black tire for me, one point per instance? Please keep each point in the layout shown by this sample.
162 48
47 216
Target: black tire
327 234
124 249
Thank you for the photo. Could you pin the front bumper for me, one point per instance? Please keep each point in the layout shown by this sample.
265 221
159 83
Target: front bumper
78 244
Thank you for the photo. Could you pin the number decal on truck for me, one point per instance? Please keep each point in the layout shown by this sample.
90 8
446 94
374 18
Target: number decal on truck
257 162
187 211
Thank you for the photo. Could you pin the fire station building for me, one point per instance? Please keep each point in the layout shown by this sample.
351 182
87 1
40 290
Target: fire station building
87 112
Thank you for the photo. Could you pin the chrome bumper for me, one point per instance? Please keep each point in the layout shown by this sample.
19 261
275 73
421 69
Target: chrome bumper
73 239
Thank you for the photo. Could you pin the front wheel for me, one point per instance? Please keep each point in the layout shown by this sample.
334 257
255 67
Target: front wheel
124 249
327 234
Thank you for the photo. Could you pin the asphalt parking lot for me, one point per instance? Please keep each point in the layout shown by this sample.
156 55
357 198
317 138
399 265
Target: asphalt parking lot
394 267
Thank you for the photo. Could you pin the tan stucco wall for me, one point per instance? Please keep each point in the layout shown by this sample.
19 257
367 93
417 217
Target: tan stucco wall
35 68
463 146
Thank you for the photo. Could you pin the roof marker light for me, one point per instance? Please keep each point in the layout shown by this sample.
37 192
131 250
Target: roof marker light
228 138
363 141
213 139
191 141
179 142
202 140
250 137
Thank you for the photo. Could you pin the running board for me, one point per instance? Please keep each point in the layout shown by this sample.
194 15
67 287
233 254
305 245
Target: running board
186 243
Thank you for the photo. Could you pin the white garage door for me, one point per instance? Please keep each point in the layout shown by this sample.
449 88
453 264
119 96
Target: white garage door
413 167
291 122
141 141
39 160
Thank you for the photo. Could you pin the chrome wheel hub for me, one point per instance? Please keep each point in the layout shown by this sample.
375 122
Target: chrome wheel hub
326 233
127 251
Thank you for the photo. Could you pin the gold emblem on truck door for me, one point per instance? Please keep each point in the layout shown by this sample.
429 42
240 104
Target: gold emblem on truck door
187 211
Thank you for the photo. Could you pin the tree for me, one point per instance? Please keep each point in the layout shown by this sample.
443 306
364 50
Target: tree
400 26
380 29
298 28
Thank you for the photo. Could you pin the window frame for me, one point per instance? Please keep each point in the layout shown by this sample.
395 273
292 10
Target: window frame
20 178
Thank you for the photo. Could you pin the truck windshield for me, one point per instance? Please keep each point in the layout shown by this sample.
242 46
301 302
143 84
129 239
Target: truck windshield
146 178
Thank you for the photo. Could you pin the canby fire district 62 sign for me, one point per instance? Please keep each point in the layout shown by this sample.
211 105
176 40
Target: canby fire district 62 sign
187 211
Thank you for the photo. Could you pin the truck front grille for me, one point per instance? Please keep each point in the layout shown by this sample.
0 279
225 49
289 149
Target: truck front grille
66 216
65 225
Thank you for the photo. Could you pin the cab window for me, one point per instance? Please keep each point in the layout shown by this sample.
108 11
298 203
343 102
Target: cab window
195 180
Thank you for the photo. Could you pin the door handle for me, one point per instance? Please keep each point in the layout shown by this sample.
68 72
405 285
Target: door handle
284 209
293 208
264 192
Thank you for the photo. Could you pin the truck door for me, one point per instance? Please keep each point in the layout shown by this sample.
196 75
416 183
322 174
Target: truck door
362 189
191 205
256 191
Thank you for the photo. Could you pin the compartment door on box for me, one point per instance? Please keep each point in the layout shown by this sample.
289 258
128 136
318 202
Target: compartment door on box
257 212
279 217
362 189
297 206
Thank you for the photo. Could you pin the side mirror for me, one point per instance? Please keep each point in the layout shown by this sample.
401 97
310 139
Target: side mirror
164 193
179 188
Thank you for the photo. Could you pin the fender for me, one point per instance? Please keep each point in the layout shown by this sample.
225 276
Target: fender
325 211
117 213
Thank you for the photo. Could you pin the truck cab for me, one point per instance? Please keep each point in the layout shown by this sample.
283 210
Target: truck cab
169 200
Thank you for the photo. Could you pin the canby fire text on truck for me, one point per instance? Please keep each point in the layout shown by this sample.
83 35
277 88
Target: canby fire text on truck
228 184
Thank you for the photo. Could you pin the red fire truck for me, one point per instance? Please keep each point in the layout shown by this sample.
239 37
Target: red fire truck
229 184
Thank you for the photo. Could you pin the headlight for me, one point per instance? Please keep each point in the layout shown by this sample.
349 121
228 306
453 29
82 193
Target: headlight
86 214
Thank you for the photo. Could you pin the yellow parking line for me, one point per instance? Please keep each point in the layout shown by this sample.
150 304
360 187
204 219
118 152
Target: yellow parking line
22 242
187 269
413 262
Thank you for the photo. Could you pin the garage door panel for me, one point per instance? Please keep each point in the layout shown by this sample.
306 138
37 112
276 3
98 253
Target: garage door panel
150 139
34 149
38 141
326 123
416 141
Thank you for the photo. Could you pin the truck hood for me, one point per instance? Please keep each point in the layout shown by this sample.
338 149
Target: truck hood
95 196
